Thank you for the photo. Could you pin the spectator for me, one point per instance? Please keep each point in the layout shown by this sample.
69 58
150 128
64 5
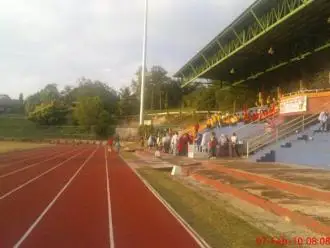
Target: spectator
212 146
198 141
174 143
205 140
142 141
167 143
323 121
118 144
196 128
234 143
223 145
150 141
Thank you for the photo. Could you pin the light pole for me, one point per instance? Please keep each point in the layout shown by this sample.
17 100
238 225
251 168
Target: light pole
144 53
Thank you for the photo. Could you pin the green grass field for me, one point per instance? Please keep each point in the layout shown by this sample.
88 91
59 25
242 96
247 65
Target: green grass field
18 127
214 223
9 146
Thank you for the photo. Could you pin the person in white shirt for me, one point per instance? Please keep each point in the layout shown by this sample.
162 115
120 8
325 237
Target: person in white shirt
234 141
323 117
174 143
205 140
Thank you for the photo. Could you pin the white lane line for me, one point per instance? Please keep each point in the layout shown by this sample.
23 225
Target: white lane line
44 212
56 155
35 156
19 155
111 237
37 177
199 240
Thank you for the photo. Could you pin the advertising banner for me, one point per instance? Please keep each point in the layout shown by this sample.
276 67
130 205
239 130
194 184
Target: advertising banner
293 105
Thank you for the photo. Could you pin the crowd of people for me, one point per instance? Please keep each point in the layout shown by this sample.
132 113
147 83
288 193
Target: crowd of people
227 119
220 120
206 141
170 142
260 114
221 146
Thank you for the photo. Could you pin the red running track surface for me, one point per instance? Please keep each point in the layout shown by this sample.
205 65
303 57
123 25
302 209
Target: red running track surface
69 207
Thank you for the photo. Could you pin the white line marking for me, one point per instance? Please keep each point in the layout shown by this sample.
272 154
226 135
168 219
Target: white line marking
111 236
37 177
35 156
200 241
26 152
36 222
35 164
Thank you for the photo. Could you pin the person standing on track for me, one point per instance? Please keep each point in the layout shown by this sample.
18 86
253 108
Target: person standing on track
110 143
117 144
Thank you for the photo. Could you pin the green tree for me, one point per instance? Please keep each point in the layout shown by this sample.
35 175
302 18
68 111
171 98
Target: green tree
128 103
87 111
101 128
21 98
91 114
49 114
88 88
49 94
31 102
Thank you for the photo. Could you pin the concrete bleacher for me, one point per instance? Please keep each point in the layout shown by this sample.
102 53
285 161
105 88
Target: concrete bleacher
314 150
242 131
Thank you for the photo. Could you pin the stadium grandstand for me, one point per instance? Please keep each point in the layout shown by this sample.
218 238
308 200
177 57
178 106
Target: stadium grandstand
268 36
273 44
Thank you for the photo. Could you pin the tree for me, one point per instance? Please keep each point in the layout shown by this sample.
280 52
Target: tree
31 102
21 98
49 114
88 88
128 103
91 114
87 111
49 94
101 128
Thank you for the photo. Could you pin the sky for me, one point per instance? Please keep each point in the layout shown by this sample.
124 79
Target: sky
59 41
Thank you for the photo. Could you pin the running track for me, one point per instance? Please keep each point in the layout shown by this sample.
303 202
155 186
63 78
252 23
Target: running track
81 197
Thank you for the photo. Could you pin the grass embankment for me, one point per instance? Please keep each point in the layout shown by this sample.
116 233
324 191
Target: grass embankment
9 146
216 225
19 127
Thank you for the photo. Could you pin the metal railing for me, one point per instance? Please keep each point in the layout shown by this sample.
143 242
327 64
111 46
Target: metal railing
282 131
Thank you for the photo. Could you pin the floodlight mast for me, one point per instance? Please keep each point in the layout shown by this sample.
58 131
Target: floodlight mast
144 53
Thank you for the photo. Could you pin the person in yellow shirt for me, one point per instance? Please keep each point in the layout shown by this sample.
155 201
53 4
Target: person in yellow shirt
214 120
208 123
219 120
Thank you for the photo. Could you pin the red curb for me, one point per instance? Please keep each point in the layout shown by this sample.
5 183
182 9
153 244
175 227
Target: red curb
299 219
296 189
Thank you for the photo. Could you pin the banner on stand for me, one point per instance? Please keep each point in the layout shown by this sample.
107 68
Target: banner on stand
293 105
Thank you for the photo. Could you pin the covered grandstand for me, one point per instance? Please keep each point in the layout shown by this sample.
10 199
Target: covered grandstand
269 37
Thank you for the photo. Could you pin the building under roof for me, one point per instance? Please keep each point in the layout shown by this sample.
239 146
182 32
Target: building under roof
268 35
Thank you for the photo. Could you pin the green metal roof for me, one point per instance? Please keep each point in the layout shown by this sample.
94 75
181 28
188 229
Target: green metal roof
292 29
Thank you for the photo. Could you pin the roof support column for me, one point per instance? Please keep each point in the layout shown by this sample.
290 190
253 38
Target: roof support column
257 19
240 40
221 47
207 62
193 68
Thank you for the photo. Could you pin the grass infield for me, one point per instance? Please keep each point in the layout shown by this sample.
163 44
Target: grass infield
217 226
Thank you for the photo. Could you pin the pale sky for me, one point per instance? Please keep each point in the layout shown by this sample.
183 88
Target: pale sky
58 41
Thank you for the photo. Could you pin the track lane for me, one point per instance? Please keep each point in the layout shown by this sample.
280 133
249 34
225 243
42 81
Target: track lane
43 159
21 209
16 155
79 216
139 218
31 159
13 181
